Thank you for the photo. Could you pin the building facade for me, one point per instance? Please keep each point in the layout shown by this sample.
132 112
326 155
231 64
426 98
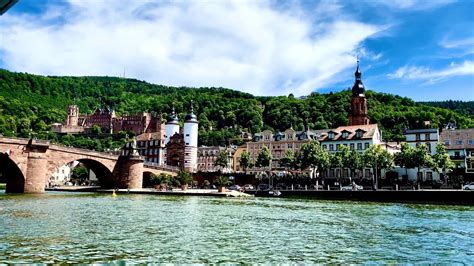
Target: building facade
207 156
416 137
460 145
107 121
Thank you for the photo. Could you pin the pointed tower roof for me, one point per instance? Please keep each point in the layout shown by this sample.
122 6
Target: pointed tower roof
172 119
191 117
358 88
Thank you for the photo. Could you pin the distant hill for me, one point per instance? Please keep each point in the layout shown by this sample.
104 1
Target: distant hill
30 103
466 108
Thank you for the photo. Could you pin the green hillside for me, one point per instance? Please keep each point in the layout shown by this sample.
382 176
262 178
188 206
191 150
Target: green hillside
462 107
30 103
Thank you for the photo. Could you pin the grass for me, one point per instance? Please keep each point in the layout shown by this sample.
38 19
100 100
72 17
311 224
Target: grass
3 186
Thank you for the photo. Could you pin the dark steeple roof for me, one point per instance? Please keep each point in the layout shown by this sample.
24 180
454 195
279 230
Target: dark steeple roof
172 119
358 88
191 117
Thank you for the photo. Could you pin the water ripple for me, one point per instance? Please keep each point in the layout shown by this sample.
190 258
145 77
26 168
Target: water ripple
95 228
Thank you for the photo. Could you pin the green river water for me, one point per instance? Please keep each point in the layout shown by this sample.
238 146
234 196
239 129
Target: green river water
97 228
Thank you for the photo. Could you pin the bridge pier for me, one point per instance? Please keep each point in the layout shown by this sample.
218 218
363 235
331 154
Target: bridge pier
129 172
36 167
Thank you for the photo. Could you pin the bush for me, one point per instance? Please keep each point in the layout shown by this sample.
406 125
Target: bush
222 181
184 177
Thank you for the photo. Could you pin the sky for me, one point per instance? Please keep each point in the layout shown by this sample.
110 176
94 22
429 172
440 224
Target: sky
422 49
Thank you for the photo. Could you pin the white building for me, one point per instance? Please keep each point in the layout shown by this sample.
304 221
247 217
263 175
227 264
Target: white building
190 140
416 137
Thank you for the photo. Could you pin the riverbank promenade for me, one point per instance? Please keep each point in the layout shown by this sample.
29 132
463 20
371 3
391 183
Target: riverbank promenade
454 197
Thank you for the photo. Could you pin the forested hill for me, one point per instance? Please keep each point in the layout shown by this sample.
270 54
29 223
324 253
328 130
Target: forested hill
461 107
31 103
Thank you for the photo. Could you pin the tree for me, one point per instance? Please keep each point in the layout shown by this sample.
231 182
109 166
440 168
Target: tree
377 158
264 158
422 159
311 155
184 177
405 158
96 129
289 161
442 161
245 160
355 162
80 173
222 160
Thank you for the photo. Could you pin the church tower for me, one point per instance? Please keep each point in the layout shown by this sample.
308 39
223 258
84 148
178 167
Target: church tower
359 113
190 140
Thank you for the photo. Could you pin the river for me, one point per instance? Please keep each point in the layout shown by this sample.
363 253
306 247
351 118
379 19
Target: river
97 228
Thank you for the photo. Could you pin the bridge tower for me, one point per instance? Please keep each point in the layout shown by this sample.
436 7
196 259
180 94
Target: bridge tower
128 172
172 126
36 167
190 140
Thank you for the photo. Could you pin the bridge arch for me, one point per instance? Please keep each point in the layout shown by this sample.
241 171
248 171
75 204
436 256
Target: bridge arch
147 175
102 172
15 178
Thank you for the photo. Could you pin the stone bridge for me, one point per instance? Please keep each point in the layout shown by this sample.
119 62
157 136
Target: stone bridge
27 165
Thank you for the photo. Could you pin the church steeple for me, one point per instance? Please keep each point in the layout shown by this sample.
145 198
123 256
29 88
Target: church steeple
359 112
358 88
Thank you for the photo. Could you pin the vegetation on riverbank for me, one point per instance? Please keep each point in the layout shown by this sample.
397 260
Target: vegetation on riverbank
29 104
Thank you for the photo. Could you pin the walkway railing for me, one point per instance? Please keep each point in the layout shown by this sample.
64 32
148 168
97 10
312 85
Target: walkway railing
162 167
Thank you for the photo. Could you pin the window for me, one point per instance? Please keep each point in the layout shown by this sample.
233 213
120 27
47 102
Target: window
290 136
337 146
366 145
458 142
446 142
352 146
331 147
417 136
187 143
290 146
420 175
187 135
427 136
345 135
367 172
359 146
325 146
331 135
359 134
429 176
470 142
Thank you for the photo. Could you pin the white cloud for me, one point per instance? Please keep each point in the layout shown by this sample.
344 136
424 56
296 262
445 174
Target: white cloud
415 4
246 45
458 43
432 76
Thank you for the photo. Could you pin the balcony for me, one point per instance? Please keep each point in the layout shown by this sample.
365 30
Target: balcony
457 157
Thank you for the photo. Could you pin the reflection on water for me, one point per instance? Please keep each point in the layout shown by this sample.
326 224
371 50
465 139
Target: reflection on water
87 227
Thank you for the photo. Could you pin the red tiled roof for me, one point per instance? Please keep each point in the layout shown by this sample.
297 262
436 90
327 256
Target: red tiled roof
369 131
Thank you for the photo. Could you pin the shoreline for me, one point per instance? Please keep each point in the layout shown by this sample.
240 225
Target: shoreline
442 197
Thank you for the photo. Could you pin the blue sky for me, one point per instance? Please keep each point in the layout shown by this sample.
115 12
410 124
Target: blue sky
422 49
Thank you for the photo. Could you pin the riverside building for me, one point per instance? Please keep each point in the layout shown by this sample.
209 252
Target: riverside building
358 135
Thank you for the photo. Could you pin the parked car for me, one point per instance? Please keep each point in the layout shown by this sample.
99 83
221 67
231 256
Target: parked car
234 187
320 187
264 187
248 187
351 187
469 186
280 186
